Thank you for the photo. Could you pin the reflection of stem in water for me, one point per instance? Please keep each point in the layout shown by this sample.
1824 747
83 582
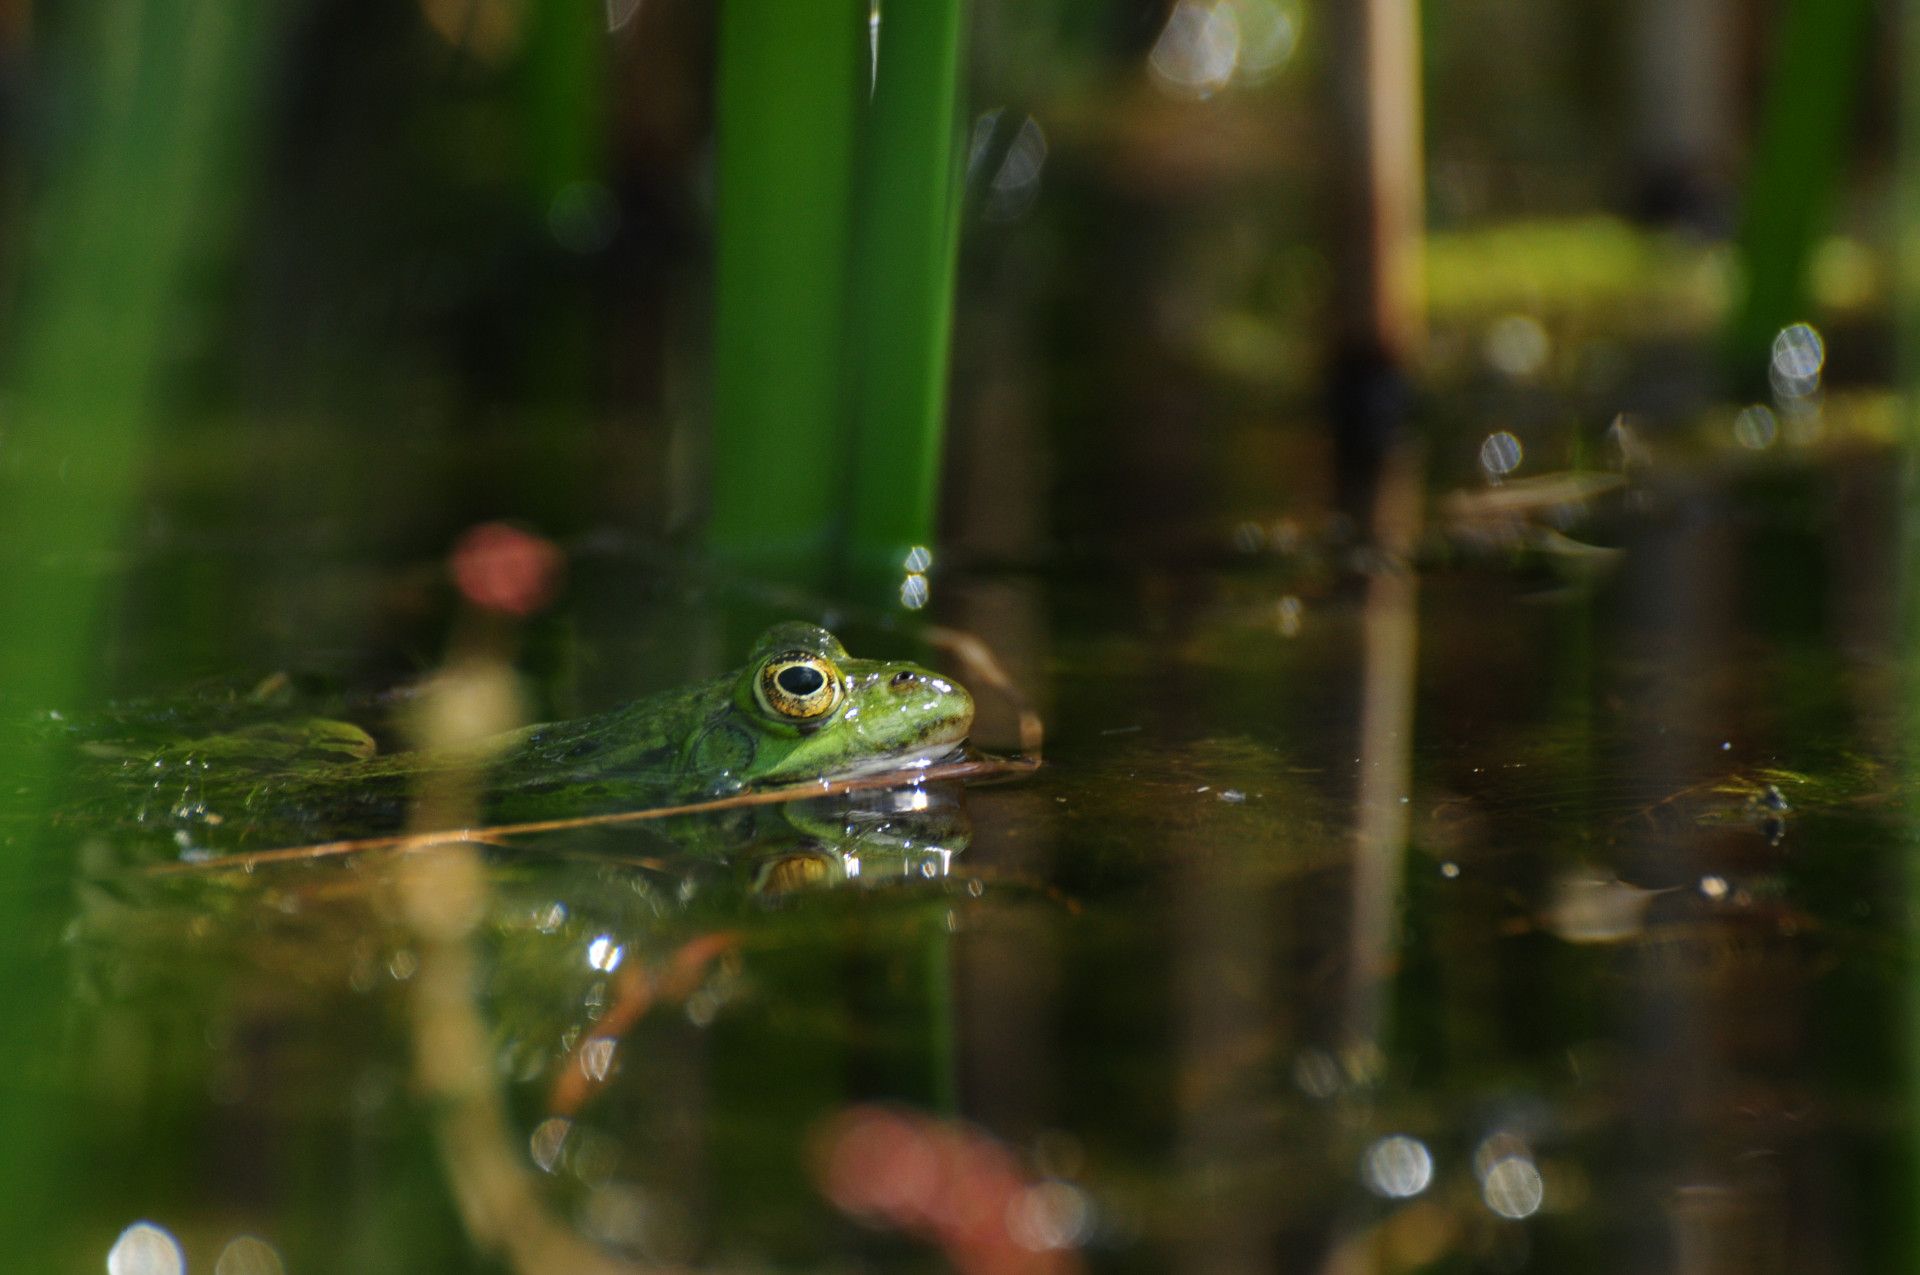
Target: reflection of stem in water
442 897
1006 972
635 990
1390 624
1679 591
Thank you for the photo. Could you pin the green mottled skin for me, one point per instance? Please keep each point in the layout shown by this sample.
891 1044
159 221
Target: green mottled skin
714 738
319 778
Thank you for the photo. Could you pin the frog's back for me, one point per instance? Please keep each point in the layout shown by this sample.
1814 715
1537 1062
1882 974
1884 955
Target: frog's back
627 758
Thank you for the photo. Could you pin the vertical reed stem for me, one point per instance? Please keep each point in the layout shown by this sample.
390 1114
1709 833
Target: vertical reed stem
136 201
1797 164
904 287
791 76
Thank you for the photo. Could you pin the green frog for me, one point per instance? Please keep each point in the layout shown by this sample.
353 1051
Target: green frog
800 709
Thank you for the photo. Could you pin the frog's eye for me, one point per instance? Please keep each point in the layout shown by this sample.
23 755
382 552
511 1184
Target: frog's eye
799 686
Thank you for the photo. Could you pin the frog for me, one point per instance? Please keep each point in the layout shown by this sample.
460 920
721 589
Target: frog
800 709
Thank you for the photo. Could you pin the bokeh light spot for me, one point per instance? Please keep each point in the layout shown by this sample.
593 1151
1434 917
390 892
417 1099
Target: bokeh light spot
881 1164
548 1140
1798 351
1397 1167
914 591
498 567
1317 1073
605 953
1501 454
1518 345
1512 1187
1048 1215
146 1249
249 1255
620 13
596 1057
1198 49
1289 615
1269 34
1014 182
1755 427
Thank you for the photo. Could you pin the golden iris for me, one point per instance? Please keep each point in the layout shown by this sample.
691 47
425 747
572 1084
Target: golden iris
799 686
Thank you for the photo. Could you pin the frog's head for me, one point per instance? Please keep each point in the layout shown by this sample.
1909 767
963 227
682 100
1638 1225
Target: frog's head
820 712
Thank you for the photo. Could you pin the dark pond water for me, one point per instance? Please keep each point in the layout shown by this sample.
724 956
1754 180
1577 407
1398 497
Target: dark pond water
1537 906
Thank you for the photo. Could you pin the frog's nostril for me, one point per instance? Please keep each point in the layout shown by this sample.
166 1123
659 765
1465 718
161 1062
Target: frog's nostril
902 680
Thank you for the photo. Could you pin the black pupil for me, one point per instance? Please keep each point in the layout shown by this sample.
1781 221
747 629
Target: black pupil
800 680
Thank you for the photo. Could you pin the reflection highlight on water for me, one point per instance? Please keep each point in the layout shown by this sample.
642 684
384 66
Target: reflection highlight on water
1755 427
1009 169
146 1249
248 1255
1397 1167
1207 45
1512 1187
1500 453
1199 48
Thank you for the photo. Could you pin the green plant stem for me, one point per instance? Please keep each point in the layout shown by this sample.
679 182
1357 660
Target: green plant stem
837 239
791 75
563 86
139 195
1797 164
904 288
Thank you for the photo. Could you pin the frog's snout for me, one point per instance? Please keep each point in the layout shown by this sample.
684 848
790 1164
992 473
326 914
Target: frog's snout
943 703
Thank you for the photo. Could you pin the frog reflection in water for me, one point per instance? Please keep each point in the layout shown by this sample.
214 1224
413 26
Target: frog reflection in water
801 708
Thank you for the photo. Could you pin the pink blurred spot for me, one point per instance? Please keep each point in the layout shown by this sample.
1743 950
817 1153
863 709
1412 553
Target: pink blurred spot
946 1183
498 567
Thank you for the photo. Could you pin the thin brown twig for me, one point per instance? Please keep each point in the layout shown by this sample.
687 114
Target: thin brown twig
984 667
492 834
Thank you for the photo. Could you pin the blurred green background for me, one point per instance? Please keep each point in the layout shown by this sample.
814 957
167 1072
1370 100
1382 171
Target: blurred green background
1065 322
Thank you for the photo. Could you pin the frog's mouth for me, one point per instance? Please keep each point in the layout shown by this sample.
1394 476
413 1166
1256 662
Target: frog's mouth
919 757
